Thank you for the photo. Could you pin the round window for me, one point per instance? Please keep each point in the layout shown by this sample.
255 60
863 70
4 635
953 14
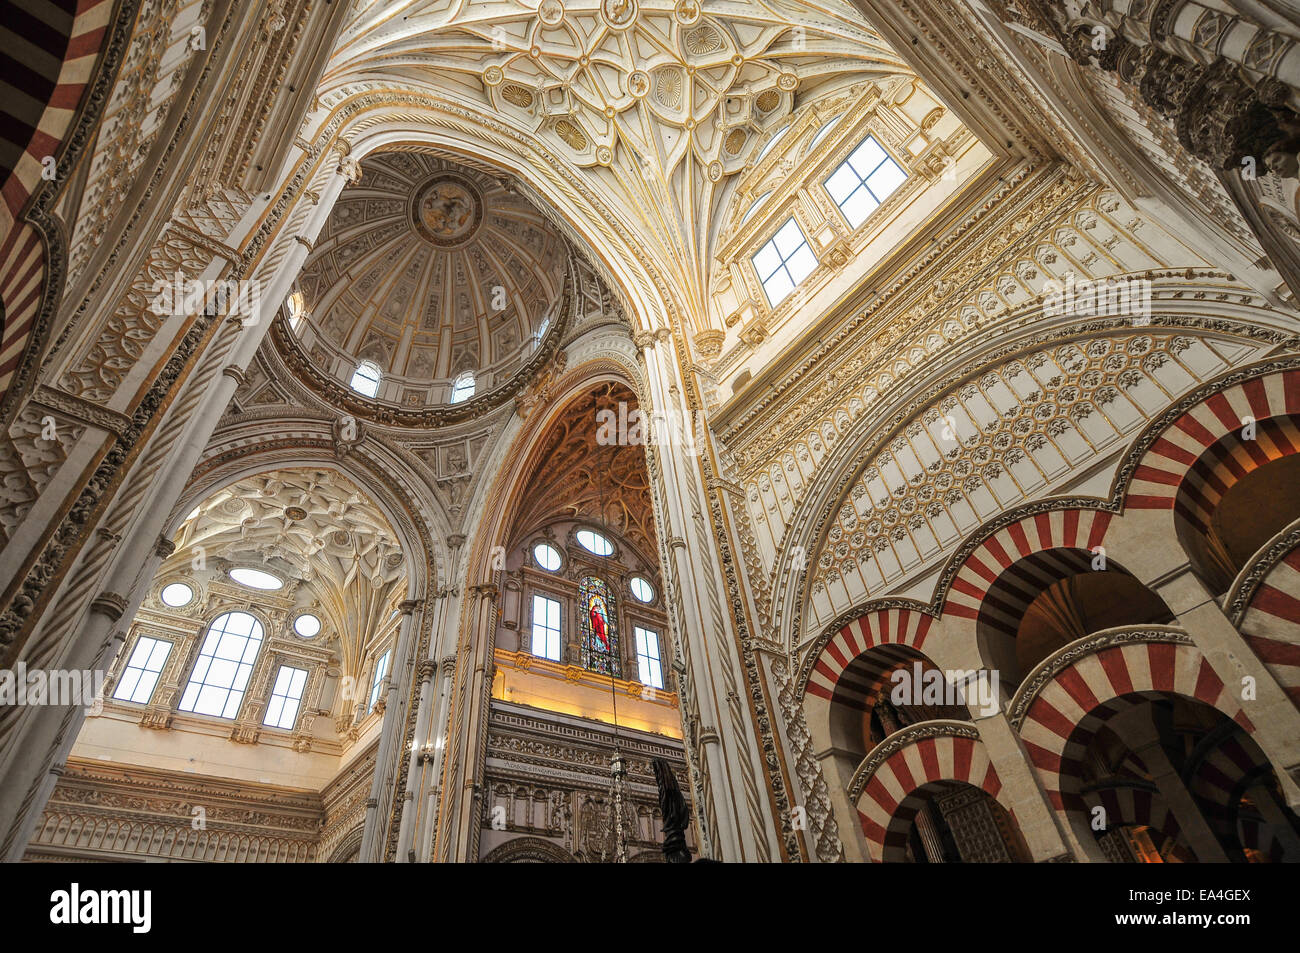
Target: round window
595 543
642 589
256 579
547 556
176 594
306 625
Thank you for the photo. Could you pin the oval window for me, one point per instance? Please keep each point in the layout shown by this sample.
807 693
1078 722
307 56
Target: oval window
642 589
547 556
256 579
306 625
595 543
176 594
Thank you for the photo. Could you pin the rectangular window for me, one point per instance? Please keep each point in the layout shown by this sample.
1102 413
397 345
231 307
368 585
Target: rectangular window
286 696
220 676
783 262
142 670
546 628
864 180
649 667
376 683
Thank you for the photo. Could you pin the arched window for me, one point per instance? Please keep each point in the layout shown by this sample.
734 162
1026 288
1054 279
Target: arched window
365 379
297 310
220 676
821 133
462 388
597 625
771 143
754 207
377 680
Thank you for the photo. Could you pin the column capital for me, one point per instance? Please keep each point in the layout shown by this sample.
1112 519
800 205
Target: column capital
110 605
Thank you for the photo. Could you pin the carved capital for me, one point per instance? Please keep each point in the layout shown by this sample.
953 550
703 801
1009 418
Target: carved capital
109 604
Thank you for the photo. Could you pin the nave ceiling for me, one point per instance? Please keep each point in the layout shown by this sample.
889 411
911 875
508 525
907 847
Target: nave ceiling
660 102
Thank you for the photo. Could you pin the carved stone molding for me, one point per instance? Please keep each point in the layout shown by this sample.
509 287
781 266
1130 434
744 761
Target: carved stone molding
85 411
1243 590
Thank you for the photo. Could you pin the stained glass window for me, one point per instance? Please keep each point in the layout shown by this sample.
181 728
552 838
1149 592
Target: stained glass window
596 622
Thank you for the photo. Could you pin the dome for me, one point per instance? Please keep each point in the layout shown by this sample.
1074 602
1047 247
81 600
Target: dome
438 279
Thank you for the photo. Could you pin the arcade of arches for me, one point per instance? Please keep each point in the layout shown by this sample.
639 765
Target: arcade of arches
885 415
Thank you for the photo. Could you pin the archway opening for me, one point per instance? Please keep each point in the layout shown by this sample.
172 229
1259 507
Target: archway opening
583 648
1239 494
1044 601
953 822
883 690
260 659
1157 777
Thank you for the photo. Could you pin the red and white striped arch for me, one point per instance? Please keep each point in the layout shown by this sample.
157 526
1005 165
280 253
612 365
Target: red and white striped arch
89 28
1066 528
23 266
1176 456
883 627
1072 707
1271 624
892 796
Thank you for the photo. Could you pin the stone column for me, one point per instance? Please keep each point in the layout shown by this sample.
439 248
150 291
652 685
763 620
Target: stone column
424 759
421 754
837 767
1136 729
1046 834
438 733
736 816
1274 718
390 737
461 810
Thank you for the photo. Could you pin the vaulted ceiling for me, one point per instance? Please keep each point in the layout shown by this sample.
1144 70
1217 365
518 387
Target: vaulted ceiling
660 101
430 268
314 529
579 477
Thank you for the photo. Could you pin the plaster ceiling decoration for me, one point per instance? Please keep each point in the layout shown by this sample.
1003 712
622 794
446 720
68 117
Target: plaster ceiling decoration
315 529
578 478
663 100
430 269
